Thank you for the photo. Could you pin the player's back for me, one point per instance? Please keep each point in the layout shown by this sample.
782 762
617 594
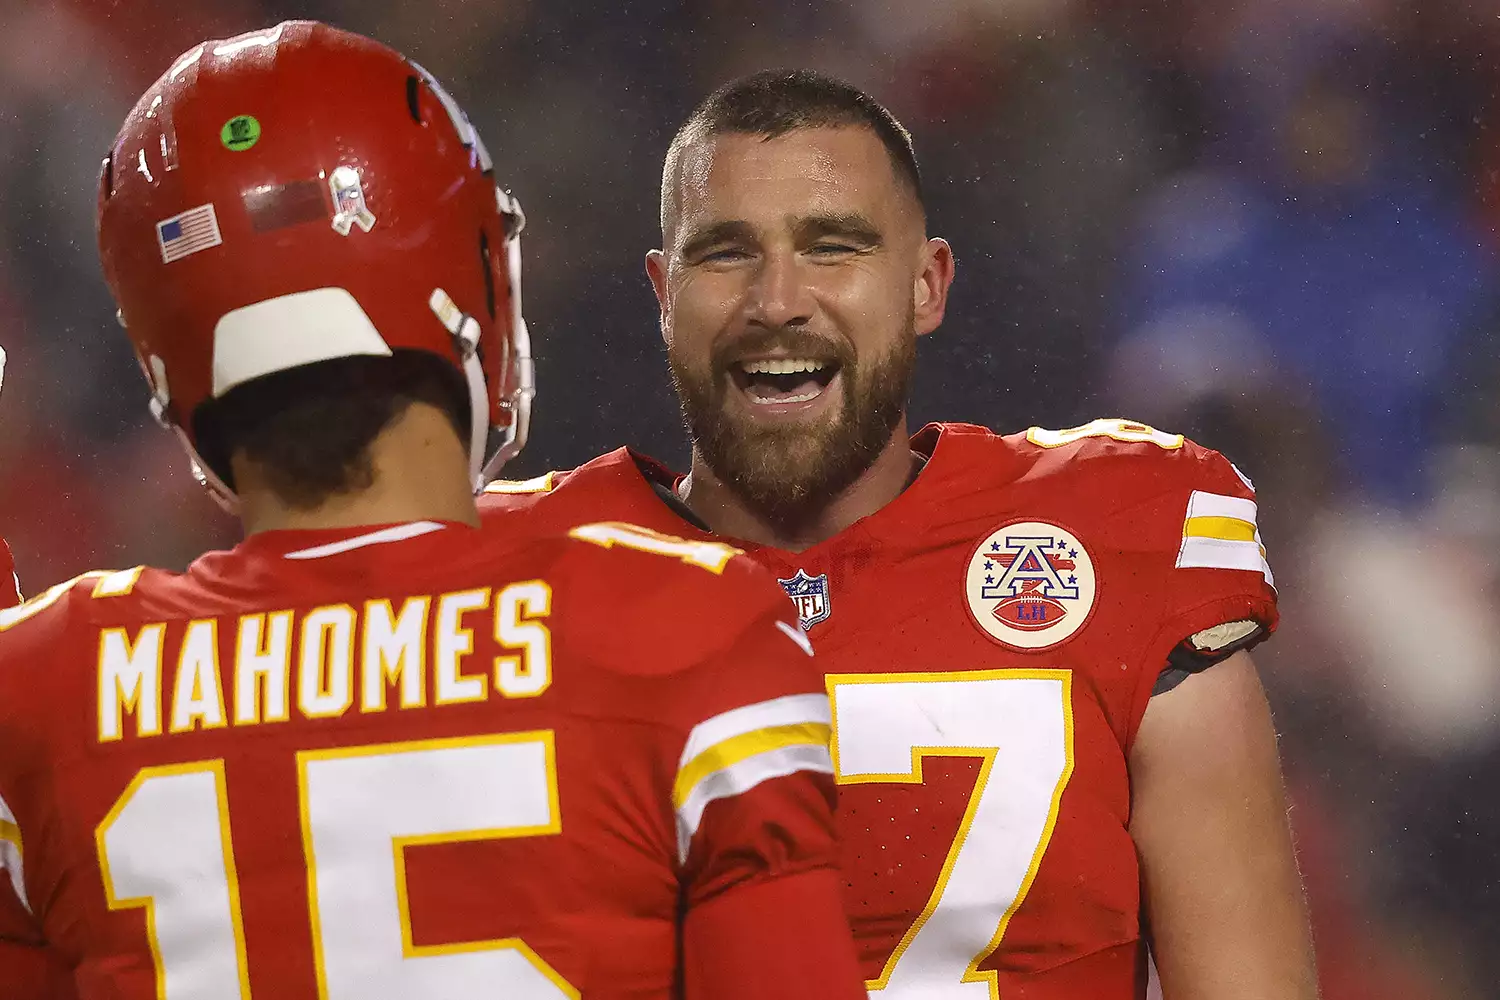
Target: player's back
421 761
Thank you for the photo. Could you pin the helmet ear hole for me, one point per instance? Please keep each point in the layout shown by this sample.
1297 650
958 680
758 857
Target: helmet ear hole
413 86
489 273
107 178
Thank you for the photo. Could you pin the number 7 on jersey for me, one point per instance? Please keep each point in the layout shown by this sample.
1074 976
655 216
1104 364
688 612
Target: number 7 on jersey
1019 723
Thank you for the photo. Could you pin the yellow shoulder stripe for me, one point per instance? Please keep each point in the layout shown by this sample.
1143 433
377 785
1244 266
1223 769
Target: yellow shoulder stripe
10 833
737 748
1230 529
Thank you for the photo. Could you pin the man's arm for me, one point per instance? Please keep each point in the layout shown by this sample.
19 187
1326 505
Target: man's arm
28 970
785 938
1223 898
32 973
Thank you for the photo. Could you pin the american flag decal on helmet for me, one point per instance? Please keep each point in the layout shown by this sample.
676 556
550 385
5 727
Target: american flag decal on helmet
187 233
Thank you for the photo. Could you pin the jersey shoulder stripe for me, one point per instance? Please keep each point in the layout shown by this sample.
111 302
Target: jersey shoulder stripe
1219 532
733 752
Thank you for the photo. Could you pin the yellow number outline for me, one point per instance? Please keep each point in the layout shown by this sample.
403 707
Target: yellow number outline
915 776
107 583
148 903
216 768
409 949
712 556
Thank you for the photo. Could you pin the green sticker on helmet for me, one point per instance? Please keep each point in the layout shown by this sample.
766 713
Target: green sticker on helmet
240 133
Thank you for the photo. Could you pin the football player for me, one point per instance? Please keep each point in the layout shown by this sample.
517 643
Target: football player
28 969
379 751
25 970
1052 743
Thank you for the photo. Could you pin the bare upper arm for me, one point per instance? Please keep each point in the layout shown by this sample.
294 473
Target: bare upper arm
1221 715
1223 897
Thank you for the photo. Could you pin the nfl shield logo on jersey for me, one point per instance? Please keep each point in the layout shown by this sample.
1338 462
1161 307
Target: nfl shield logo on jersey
810 594
1030 585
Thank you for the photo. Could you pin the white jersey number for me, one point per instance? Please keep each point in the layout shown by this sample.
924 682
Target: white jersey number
1019 724
166 847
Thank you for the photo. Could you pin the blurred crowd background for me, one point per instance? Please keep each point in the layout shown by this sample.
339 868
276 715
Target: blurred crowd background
1269 224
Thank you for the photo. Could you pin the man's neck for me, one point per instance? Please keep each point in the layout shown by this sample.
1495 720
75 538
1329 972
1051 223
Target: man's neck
728 515
421 474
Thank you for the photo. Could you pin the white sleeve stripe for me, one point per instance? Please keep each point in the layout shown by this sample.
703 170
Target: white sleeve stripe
1202 504
1216 553
741 777
1265 562
791 710
10 853
1199 551
10 861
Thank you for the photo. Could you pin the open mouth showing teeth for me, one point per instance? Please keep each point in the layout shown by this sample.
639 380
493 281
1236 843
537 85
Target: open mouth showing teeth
783 380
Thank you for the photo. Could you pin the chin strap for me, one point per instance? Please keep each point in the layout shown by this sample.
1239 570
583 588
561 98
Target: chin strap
466 333
216 487
161 399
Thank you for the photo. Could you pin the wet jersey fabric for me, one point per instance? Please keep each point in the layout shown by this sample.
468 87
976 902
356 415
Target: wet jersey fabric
990 641
27 969
423 760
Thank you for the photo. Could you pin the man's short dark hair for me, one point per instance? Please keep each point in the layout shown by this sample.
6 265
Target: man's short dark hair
310 428
772 103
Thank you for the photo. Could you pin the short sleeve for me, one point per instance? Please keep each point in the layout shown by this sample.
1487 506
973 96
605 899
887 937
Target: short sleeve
1220 573
735 690
28 969
753 791
1220 591
754 801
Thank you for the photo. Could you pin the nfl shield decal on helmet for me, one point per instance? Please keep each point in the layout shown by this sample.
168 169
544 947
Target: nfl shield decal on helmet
1030 585
810 595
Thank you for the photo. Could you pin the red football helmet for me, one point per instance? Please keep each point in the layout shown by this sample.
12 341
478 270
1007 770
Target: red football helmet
303 193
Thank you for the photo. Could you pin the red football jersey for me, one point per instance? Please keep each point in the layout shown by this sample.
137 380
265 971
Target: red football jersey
424 761
27 969
991 638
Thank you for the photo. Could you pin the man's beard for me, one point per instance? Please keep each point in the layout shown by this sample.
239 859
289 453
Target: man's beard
788 474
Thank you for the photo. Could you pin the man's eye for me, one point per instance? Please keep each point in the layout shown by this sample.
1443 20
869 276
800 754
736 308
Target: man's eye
826 249
724 255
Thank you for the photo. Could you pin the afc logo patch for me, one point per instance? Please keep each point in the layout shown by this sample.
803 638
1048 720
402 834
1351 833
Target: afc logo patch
810 595
1030 585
